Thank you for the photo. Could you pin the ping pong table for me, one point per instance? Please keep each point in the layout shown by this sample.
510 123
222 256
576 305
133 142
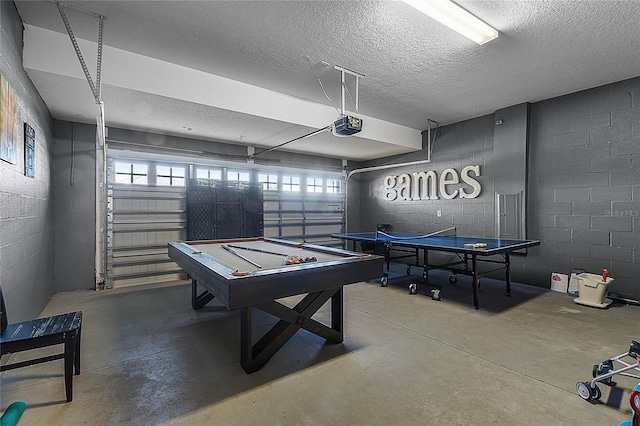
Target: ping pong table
469 251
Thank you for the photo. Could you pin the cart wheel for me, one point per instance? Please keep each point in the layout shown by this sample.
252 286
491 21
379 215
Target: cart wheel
413 288
596 371
384 282
584 390
595 393
453 279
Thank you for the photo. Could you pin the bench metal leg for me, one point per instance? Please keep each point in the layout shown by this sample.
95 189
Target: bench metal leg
77 351
69 362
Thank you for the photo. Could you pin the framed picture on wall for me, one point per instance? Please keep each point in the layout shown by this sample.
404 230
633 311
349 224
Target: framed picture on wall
29 150
8 112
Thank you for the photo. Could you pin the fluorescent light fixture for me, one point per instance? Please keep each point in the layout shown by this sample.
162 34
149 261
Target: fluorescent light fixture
456 18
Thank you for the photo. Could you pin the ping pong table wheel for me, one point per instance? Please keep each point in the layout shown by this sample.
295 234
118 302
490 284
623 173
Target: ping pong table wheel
408 270
413 288
435 294
384 281
453 279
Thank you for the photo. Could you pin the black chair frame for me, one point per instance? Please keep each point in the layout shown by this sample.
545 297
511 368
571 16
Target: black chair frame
42 332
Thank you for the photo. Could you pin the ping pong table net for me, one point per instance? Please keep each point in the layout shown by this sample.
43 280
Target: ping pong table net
383 236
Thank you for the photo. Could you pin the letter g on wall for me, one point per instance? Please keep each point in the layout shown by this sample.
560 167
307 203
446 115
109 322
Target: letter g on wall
390 192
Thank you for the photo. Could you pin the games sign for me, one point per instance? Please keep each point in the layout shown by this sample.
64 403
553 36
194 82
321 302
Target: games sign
429 186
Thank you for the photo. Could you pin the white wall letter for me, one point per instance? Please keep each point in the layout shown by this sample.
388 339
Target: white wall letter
446 180
390 193
429 181
404 187
471 182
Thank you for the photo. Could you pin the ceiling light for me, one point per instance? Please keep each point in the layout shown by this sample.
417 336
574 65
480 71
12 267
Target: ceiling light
456 18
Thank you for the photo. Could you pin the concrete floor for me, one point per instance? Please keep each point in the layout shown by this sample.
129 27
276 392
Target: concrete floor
148 358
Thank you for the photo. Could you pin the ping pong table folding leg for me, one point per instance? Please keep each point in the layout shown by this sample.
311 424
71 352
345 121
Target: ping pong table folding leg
476 280
425 267
255 356
507 267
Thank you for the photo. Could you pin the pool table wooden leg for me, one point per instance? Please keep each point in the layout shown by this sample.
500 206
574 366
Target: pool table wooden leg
246 348
337 305
255 356
199 300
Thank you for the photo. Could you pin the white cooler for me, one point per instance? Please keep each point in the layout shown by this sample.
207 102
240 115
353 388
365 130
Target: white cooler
592 291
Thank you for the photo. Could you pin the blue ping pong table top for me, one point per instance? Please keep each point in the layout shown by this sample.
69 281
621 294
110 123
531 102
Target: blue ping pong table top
441 242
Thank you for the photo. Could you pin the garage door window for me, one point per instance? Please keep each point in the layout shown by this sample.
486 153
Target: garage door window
132 173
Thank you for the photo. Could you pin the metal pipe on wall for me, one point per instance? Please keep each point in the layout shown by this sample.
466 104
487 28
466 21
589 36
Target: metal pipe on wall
372 169
389 166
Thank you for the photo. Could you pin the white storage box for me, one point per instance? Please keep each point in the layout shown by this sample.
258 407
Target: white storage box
592 291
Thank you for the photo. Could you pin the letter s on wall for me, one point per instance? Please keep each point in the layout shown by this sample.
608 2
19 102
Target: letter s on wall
471 182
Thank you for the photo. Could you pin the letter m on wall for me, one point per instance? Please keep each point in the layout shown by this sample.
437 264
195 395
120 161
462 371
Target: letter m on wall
425 186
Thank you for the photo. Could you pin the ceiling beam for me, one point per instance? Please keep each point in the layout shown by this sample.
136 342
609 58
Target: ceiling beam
51 52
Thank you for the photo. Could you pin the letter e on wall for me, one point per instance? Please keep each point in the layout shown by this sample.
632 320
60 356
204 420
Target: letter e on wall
448 177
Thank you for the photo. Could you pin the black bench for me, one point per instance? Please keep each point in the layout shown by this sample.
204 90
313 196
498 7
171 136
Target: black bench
39 333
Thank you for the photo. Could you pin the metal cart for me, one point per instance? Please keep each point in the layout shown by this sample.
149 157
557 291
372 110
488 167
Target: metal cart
604 371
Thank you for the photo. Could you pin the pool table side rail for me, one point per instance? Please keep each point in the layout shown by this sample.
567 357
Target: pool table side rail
264 286
287 243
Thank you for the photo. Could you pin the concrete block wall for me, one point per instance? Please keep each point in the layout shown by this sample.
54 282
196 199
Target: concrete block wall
74 205
584 183
457 146
26 207
583 186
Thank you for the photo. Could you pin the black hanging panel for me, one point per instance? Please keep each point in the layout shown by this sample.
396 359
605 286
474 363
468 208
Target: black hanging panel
252 212
200 203
199 218
217 210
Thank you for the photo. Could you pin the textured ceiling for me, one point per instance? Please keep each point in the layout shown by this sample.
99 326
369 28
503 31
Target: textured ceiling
415 69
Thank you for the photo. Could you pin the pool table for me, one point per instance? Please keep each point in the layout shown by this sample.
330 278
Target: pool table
248 273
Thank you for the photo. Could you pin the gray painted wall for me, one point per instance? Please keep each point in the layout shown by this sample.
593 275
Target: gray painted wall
510 174
74 205
583 186
26 208
456 146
